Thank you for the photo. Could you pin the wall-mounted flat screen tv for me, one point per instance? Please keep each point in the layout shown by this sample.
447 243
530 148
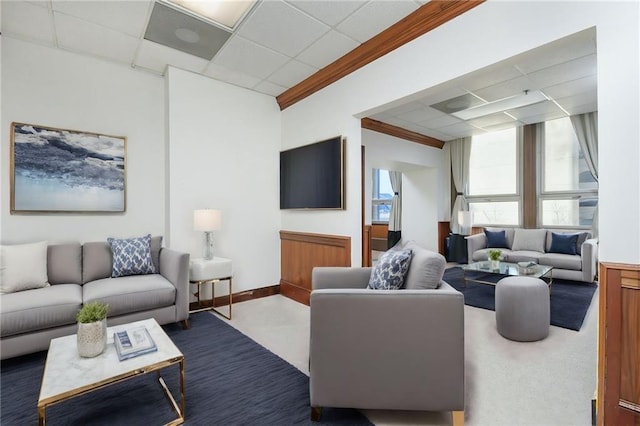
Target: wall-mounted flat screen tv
312 176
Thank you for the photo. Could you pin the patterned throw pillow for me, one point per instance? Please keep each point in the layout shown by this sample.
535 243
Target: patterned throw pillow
390 270
131 256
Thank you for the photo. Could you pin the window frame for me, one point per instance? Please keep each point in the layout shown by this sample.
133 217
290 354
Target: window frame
542 195
375 202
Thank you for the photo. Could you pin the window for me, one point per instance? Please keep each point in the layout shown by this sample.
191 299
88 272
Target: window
382 195
493 192
569 193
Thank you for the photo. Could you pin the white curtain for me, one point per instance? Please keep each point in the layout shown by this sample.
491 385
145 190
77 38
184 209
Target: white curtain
586 128
460 150
395 222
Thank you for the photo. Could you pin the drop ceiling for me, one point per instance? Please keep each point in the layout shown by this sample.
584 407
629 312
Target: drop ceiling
281 42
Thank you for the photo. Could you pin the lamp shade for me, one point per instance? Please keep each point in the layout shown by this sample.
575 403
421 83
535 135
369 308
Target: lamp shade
206 220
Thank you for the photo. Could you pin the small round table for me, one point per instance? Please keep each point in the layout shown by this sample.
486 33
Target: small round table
211 271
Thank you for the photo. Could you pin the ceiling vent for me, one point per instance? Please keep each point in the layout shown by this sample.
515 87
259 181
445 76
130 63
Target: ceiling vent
175 29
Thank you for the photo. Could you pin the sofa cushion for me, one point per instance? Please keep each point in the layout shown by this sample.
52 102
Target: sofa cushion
425 269
390 270
96 261
38 309
582 237
564 243
496 239
23 267
561 261
64 263
523 256
483 254
129 294
131 256
529 239
156 245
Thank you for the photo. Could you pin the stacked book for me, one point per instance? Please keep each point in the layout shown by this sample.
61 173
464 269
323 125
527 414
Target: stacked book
133 342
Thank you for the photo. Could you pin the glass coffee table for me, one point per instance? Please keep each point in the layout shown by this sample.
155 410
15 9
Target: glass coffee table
67 375
506 268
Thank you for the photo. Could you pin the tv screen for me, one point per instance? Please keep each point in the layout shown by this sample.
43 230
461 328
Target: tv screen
312 176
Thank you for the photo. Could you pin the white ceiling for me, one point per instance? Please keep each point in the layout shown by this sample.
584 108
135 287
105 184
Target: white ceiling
279 43
564 70
282 42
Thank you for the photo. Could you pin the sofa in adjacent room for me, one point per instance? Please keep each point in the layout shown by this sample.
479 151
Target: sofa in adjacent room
75 274
573 254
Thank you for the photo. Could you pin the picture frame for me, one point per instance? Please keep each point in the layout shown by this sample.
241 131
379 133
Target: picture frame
66 171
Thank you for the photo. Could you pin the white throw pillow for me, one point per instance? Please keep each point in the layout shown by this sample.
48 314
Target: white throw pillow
529 239
23 267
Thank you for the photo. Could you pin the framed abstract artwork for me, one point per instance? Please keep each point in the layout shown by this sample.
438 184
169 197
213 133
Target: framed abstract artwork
66 171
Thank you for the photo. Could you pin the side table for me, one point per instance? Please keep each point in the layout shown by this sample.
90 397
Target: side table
203 271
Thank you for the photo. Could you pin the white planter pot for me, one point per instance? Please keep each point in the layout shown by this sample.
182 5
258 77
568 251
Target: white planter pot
92 338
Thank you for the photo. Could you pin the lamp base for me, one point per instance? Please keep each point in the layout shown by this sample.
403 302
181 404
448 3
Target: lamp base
207 252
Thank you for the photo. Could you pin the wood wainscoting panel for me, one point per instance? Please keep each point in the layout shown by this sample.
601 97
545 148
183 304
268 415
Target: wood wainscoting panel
618 400
300 252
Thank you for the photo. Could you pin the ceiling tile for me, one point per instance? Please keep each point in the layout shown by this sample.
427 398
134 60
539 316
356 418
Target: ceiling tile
156 57
269 88
129 17
28 21
291 74
395 121
572 70
327 49
550 115
573 87
408 107
417 115
375 17
506 89
329 12
82 36
249 58
489 76
492 120
560 51
281 27
441 120
541 108
224 74
41 3
585 98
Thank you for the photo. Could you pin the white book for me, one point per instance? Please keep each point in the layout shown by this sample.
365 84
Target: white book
133 342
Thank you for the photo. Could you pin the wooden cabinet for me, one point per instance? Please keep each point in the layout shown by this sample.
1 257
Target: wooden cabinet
618 397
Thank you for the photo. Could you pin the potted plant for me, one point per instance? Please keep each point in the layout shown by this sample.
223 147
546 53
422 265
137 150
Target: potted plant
494 257
92 329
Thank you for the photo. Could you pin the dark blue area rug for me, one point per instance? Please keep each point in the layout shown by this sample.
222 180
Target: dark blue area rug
230 380
570 300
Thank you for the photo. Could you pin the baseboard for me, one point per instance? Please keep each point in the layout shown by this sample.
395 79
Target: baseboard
242 296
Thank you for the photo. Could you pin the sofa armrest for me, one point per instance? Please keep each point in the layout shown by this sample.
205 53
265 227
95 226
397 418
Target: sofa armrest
174 266
474 243
365 342
339 277
589 258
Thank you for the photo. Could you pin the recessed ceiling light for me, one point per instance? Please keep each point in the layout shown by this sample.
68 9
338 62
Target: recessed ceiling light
228 13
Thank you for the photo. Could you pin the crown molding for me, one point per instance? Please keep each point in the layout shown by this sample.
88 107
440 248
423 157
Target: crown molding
399 132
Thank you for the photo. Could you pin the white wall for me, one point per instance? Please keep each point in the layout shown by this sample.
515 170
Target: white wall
449 52
64 90
419 207
223 145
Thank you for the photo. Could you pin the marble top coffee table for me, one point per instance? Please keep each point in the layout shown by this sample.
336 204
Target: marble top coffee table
67 375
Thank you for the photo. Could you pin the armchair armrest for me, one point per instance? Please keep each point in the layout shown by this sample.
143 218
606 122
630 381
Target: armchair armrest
174 266
365 342
339 277
589 258
474 243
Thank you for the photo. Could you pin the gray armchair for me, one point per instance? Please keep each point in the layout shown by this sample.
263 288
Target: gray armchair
385 349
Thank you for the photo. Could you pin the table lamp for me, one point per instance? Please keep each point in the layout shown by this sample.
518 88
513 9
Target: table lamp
207 220
465 221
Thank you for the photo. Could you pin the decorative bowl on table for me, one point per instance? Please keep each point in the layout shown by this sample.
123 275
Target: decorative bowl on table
527 267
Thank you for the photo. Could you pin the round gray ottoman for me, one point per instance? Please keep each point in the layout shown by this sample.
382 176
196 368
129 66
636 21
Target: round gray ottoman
522 308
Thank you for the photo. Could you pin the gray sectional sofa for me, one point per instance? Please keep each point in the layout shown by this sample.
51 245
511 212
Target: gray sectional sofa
80 274
536 245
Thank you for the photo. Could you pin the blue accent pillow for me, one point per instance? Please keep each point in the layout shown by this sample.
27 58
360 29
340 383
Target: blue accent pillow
390 270
131 256
564 243
496 239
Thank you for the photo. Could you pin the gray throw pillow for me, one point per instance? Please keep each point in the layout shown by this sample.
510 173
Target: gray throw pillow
529 239
426 269
390 270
